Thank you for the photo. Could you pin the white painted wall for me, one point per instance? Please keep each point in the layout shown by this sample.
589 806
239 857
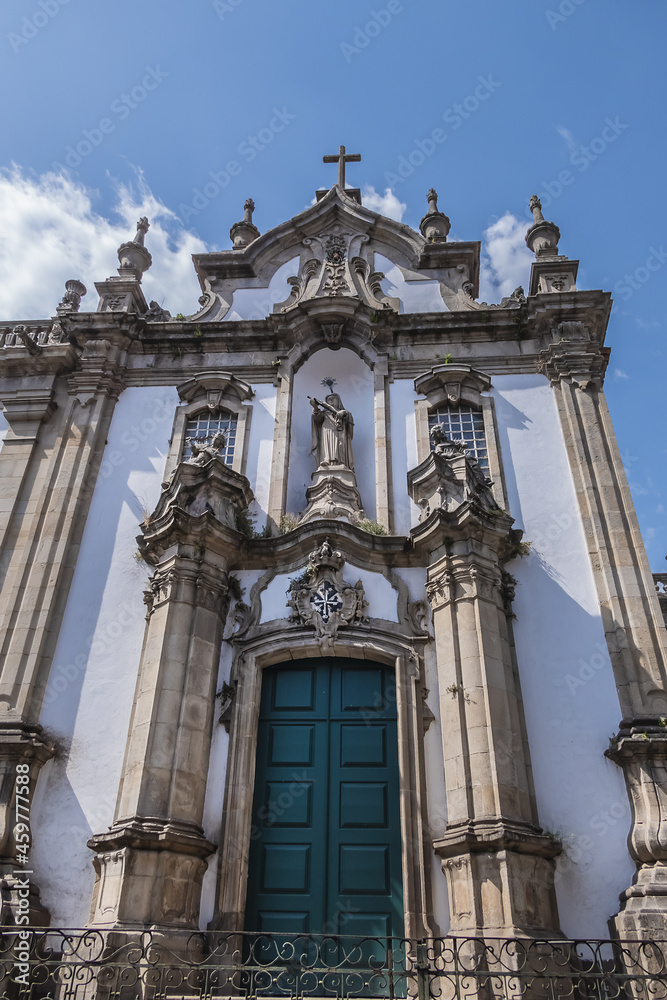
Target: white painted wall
260 450
403 452
91 686
354 384
569 693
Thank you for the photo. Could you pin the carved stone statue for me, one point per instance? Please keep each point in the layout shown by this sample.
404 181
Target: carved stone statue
203 452
332 428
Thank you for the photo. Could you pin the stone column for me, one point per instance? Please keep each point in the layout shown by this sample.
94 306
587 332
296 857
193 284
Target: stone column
631 617
498 863
151 863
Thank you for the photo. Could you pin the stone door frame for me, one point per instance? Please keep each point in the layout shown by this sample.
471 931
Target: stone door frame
295 644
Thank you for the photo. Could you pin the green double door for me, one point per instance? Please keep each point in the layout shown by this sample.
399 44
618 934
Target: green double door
325 853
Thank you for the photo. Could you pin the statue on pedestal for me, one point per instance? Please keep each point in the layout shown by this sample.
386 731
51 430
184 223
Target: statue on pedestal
332 428
333 491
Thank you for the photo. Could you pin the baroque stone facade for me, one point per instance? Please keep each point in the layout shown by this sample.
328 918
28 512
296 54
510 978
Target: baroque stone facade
409 548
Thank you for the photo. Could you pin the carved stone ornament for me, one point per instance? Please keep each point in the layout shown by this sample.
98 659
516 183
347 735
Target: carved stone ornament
448 478
336 283
321 599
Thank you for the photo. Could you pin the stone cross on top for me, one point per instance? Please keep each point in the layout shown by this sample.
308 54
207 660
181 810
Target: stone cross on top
341 159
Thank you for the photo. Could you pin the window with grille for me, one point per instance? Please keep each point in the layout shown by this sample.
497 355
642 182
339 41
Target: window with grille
463 423
204 426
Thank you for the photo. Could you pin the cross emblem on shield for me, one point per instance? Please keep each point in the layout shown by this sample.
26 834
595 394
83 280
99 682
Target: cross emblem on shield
326 600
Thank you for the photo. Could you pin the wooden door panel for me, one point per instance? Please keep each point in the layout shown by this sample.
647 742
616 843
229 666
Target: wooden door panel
326 850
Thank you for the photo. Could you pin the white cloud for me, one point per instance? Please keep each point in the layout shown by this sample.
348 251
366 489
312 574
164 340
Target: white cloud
567 135
50 231
619 373
506 259
386 204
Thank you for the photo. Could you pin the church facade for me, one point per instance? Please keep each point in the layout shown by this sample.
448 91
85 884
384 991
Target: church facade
328 614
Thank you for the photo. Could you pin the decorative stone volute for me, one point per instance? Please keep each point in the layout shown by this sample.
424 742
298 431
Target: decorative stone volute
542 237
435 225
134 258
244 232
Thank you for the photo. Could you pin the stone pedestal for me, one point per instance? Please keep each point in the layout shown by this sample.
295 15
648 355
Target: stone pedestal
641 750
333 493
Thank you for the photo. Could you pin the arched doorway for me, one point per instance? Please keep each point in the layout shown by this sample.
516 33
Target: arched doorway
325 846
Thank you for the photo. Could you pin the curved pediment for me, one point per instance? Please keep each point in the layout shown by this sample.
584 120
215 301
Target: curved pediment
334 244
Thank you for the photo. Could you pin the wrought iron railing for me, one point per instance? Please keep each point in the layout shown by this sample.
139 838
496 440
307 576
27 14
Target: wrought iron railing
38 964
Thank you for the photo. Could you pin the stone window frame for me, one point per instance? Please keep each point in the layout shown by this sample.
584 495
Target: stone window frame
452 385
213 391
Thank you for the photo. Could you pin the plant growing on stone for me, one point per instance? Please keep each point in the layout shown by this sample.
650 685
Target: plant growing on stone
372 527
245 523
288 522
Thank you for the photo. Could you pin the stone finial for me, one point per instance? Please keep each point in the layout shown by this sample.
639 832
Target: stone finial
244 232
71 300
133 256
143 225
435 225
542 237
536 208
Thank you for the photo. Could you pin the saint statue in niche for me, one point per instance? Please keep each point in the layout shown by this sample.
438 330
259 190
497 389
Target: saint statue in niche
332 427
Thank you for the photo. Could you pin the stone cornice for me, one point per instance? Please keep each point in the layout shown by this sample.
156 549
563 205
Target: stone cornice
639 739
151 834
22 742
482 836
52 359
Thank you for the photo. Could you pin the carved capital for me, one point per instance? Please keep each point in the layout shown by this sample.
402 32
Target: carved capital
583 364
101 372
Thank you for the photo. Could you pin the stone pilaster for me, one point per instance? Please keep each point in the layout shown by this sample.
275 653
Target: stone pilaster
46 524
631 616
151 862
48 467
498 863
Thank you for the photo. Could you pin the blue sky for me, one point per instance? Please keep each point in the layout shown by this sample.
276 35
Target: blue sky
159 94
